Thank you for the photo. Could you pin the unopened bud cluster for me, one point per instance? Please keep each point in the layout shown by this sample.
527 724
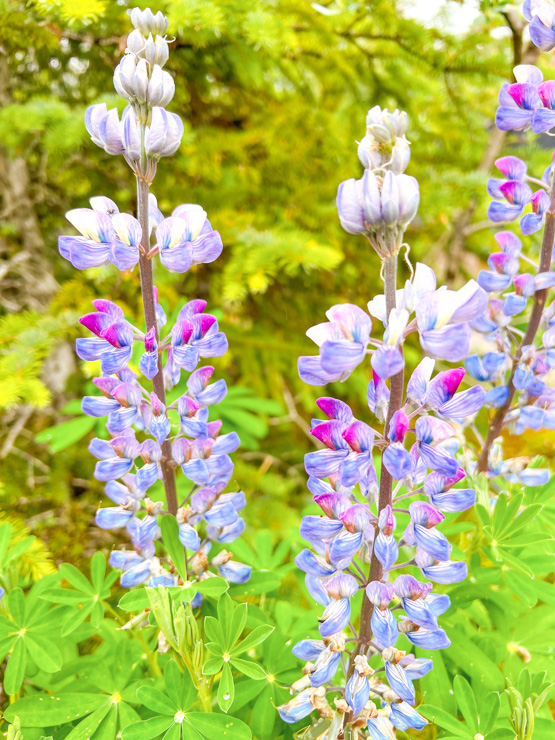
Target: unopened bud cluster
385 144
146 131
139 77
383 203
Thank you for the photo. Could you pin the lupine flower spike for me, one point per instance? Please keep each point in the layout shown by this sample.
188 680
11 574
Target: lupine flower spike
133 398
424 430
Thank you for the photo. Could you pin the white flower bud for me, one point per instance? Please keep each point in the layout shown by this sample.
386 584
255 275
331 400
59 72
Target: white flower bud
141 81
156 51
123 77
135 42
161 87
400 155
147 22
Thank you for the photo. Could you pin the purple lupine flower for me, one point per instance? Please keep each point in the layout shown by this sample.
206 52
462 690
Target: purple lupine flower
430 433
106 236
395 458
195 335
385 544
404 717
297 708
148 363
516 194
518 101
443 318
512 168
116 456
186 238
384 624
357 690
446 498
342 342
441 395
541 14
114 343
532 222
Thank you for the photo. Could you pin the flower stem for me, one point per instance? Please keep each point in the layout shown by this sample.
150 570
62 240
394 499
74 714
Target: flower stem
540 297
386 480
149 306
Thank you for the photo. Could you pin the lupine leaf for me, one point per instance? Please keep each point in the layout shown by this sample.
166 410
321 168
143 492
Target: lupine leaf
226 610
264 714
156 700
249 668
226 689
238 623
36 711
16 605
44 652
90 724
15 669
214 631
443 719
466 701
147 729
170 536
217 725
212 586
489 712
254 638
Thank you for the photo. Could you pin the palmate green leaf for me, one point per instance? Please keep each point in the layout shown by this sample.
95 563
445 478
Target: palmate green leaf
147 729
264 714
466 701
212 586
474 661
89 725
156 700
214 631
259 583
226 610
74 576
170 537
238 623
213 726
444 719
16 606
108 727
67 433
488 712
249 668
15 670
41 711
254 638
44 652
226 689
212 666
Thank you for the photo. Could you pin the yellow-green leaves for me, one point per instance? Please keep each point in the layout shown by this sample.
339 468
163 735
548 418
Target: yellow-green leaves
85 596
172 713
225 646
27 632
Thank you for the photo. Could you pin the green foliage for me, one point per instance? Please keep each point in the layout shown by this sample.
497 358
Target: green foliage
273 96
26 340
